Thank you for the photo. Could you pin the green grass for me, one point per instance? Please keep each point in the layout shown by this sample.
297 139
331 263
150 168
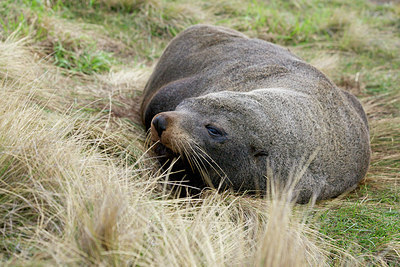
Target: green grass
104 51
87 62
369 227
363 228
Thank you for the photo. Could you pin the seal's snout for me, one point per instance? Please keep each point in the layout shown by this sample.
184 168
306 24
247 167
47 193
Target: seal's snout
165 130
160 124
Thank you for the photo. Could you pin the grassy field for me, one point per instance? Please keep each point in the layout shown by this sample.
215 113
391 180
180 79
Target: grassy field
78 188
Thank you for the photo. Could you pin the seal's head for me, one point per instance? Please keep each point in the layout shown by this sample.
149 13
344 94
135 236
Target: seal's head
217 138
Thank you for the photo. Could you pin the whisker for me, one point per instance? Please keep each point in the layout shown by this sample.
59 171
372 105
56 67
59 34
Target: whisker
147 140
220 172
194 154
201 167
207 159
187 156
191 157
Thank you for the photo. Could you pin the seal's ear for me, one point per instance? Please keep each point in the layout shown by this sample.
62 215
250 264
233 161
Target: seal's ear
260 153
257 152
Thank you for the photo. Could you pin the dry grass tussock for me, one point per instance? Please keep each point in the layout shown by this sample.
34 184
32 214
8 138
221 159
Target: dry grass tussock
327 63
74 190
77 36
351 34
21 66
385 144
16 61
125 5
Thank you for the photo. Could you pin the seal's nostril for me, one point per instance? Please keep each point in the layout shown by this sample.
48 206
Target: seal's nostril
160 123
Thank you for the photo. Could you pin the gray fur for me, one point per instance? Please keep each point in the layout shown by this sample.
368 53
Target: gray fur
266 99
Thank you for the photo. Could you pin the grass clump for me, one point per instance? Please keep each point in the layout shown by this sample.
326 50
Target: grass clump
367 226
87 62
367 230
124 6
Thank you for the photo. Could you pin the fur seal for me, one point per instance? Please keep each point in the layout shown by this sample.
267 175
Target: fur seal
240 111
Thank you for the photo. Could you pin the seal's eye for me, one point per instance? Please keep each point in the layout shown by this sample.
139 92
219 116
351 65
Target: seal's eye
214 132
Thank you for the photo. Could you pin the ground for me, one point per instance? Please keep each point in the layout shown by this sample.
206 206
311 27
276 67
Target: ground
78 188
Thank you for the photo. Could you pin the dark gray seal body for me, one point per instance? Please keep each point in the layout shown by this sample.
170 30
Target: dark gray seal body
239 110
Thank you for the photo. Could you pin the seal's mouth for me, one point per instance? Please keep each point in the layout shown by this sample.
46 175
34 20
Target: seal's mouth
181 171
166 156
163 151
